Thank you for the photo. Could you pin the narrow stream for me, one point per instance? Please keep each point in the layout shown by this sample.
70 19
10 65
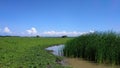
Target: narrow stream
75 62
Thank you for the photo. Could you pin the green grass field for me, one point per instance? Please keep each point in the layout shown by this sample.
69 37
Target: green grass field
28 52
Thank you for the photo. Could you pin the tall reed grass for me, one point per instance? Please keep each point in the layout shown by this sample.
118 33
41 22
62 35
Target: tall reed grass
101 47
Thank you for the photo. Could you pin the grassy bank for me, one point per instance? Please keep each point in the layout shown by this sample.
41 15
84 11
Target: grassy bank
101 47
24 52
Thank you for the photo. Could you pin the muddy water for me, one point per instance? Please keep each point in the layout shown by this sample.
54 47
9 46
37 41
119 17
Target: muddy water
75 62
80 63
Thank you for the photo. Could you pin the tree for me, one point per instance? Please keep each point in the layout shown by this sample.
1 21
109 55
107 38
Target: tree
64 36
37 36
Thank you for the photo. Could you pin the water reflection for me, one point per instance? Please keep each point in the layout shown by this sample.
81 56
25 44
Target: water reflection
56 50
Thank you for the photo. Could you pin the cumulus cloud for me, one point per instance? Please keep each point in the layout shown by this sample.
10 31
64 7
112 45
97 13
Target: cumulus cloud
7 30
91 31
60 33
32 31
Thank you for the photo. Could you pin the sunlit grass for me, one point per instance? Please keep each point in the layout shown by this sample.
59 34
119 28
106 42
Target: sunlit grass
24 52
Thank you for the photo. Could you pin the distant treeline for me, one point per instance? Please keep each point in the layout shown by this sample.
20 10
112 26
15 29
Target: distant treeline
37 36
10 36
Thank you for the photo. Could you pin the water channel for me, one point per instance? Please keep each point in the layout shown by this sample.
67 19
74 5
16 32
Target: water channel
76 62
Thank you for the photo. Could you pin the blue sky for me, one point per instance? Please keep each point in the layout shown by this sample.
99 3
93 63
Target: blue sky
58 17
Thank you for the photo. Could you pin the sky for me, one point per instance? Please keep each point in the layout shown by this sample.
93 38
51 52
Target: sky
58 17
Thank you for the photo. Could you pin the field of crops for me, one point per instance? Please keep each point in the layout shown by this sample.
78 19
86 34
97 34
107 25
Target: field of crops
100 47
28 52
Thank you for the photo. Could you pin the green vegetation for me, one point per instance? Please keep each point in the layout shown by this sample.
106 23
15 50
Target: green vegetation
27 52
101 47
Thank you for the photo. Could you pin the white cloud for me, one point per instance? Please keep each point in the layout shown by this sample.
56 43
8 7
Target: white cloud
32 31
7 30
91 31
73 33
